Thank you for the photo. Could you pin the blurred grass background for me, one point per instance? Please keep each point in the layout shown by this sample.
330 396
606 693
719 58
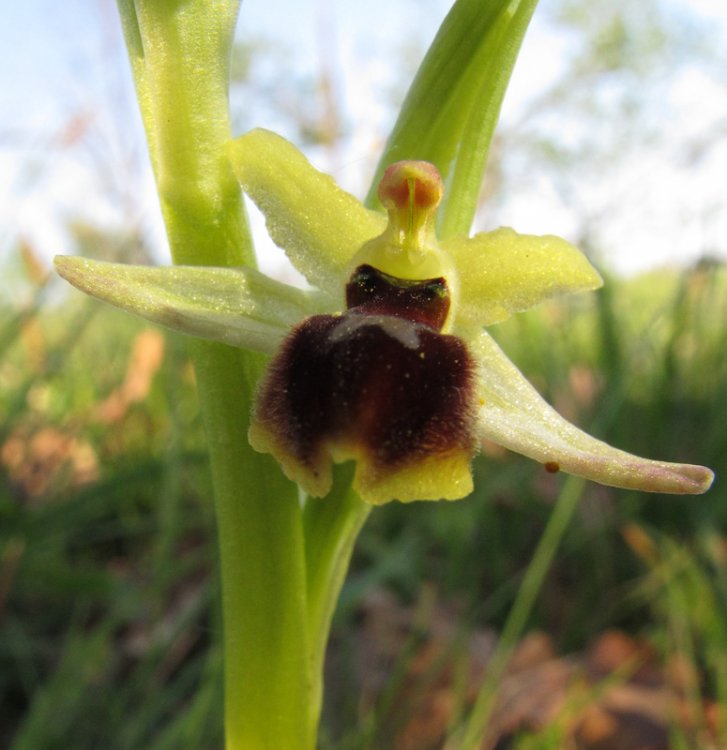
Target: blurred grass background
109 629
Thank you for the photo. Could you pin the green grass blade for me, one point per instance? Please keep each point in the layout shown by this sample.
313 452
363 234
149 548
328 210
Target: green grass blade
476 726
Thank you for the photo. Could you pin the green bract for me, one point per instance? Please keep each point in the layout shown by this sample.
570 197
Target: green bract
323 229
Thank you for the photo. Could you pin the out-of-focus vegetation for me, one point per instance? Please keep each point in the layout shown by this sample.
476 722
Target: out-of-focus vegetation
108 615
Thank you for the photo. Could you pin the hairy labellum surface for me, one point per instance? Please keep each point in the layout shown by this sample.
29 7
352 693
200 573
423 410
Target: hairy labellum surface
380 384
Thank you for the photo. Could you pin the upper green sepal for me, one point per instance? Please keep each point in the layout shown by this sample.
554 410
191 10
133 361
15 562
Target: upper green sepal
237 306
319 225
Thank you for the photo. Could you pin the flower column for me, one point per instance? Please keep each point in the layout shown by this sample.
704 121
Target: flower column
179 52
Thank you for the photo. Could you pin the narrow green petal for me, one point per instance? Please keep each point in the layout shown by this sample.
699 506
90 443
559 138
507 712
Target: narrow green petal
319 226
515 416
237 306
503 272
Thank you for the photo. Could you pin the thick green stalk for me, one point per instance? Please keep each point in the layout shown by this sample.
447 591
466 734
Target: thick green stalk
179 51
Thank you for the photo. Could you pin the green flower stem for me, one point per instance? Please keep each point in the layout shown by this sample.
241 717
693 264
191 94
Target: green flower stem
267 680
179 51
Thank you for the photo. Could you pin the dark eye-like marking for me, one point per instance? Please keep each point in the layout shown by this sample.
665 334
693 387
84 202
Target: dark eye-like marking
373 292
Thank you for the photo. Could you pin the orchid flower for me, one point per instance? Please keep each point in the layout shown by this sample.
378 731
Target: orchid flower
384 360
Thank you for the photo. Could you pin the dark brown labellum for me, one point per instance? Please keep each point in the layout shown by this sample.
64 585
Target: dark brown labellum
379 384
355 381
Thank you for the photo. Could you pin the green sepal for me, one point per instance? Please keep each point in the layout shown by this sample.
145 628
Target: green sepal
514 415
237 306
319 225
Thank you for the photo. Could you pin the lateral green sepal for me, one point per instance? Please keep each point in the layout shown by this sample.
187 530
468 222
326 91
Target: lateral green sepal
237 306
